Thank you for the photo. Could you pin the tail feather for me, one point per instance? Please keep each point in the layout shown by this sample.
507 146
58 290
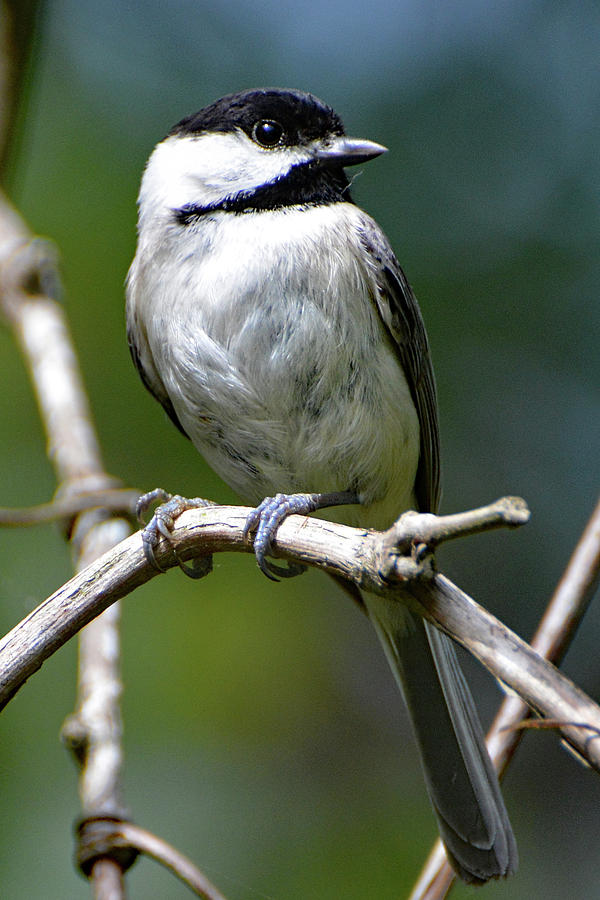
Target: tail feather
461 781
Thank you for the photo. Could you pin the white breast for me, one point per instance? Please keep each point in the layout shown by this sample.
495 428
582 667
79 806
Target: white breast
274 356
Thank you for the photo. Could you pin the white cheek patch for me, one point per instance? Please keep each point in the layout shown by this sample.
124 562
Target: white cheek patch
208 168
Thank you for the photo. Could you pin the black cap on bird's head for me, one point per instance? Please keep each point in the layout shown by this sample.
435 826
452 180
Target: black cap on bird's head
277 118
257 150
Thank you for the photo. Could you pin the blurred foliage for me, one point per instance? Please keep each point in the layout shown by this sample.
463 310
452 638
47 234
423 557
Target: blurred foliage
264 736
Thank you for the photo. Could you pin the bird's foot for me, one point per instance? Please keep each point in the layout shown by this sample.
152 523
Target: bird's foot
161 525
268 516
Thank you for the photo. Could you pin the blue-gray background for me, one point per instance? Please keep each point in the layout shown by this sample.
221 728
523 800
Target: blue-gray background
264 735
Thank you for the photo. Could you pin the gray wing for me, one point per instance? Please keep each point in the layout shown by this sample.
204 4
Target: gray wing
142 360
401 315
460 778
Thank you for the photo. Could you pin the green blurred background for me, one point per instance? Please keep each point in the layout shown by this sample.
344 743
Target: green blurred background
264 736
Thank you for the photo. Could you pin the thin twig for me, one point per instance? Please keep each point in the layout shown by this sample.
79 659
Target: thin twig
514 663
551 640
86 495
351 553
507 512
99 836
39 326
118 500
172 859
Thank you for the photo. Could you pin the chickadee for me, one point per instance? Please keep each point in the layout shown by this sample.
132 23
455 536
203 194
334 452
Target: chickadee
270 317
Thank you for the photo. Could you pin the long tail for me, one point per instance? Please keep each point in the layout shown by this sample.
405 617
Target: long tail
460 778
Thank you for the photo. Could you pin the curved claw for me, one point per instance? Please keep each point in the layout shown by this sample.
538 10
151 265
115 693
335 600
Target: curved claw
290 570
149 542
266 519
161 525
201 566
147 500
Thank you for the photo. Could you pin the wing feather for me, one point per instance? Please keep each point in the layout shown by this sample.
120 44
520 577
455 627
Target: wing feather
402 318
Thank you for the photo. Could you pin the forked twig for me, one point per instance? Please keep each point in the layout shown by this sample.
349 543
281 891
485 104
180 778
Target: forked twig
551 639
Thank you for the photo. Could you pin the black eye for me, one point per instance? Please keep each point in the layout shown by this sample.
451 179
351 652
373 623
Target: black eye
267 133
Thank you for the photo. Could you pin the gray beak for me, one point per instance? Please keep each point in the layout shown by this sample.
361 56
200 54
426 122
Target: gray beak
347 151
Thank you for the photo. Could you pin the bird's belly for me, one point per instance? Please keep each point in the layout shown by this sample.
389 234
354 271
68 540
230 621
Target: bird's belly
291 388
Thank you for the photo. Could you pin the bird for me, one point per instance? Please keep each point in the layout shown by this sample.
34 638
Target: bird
269 316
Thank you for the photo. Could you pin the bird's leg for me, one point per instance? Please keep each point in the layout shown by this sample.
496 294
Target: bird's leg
161 523
268 516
